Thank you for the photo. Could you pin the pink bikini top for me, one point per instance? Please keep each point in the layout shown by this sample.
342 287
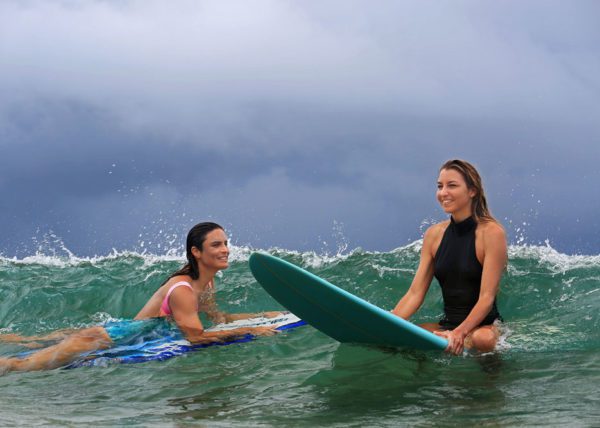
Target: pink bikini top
165 303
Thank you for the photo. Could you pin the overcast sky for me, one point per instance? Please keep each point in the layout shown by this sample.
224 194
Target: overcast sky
307 125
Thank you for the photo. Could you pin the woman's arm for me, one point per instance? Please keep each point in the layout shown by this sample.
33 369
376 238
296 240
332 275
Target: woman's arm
494 262
226 318
219 317
184 312
413 299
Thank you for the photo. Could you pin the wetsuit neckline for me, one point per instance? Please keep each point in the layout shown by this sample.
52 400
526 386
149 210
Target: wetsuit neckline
464 226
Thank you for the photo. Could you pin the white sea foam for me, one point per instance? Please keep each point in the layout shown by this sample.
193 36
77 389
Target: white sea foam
382 270
413 247
56 254
552 259
73 260
503 341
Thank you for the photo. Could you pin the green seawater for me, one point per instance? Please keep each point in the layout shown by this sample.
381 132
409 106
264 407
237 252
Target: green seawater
546 371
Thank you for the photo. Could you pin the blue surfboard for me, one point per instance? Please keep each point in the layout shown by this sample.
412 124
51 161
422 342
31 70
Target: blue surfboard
336 312
167 347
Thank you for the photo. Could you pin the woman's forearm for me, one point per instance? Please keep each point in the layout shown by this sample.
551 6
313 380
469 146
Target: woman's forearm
407 306
481 309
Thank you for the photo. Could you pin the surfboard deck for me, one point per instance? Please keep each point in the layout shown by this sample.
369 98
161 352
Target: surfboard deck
336 312
168 346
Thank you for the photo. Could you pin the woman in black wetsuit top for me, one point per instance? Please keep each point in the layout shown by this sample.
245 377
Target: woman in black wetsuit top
467 255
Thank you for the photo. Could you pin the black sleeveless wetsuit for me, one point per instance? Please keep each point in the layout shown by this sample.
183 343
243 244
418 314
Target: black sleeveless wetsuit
459 273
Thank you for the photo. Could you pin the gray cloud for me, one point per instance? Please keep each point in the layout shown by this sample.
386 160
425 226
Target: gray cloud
287 120
196 68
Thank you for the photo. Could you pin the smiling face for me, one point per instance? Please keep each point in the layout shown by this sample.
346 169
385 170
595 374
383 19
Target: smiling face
453 194
215 251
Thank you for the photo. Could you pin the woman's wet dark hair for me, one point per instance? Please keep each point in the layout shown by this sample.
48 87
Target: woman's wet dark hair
195 238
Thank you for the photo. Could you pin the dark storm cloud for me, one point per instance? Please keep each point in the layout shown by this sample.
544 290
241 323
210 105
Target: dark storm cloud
294 123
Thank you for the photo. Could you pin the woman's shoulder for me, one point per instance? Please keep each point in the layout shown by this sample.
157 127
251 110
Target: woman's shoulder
178 278
437 229
491 228
433 236
492 234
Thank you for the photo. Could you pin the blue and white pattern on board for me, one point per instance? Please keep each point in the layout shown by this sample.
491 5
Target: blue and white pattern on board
171 346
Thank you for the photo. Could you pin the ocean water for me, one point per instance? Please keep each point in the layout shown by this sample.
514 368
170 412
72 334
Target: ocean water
545 372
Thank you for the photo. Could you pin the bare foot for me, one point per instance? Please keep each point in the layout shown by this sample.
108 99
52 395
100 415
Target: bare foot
5 365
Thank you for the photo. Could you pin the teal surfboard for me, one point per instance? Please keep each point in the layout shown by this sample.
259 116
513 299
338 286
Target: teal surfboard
336 312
